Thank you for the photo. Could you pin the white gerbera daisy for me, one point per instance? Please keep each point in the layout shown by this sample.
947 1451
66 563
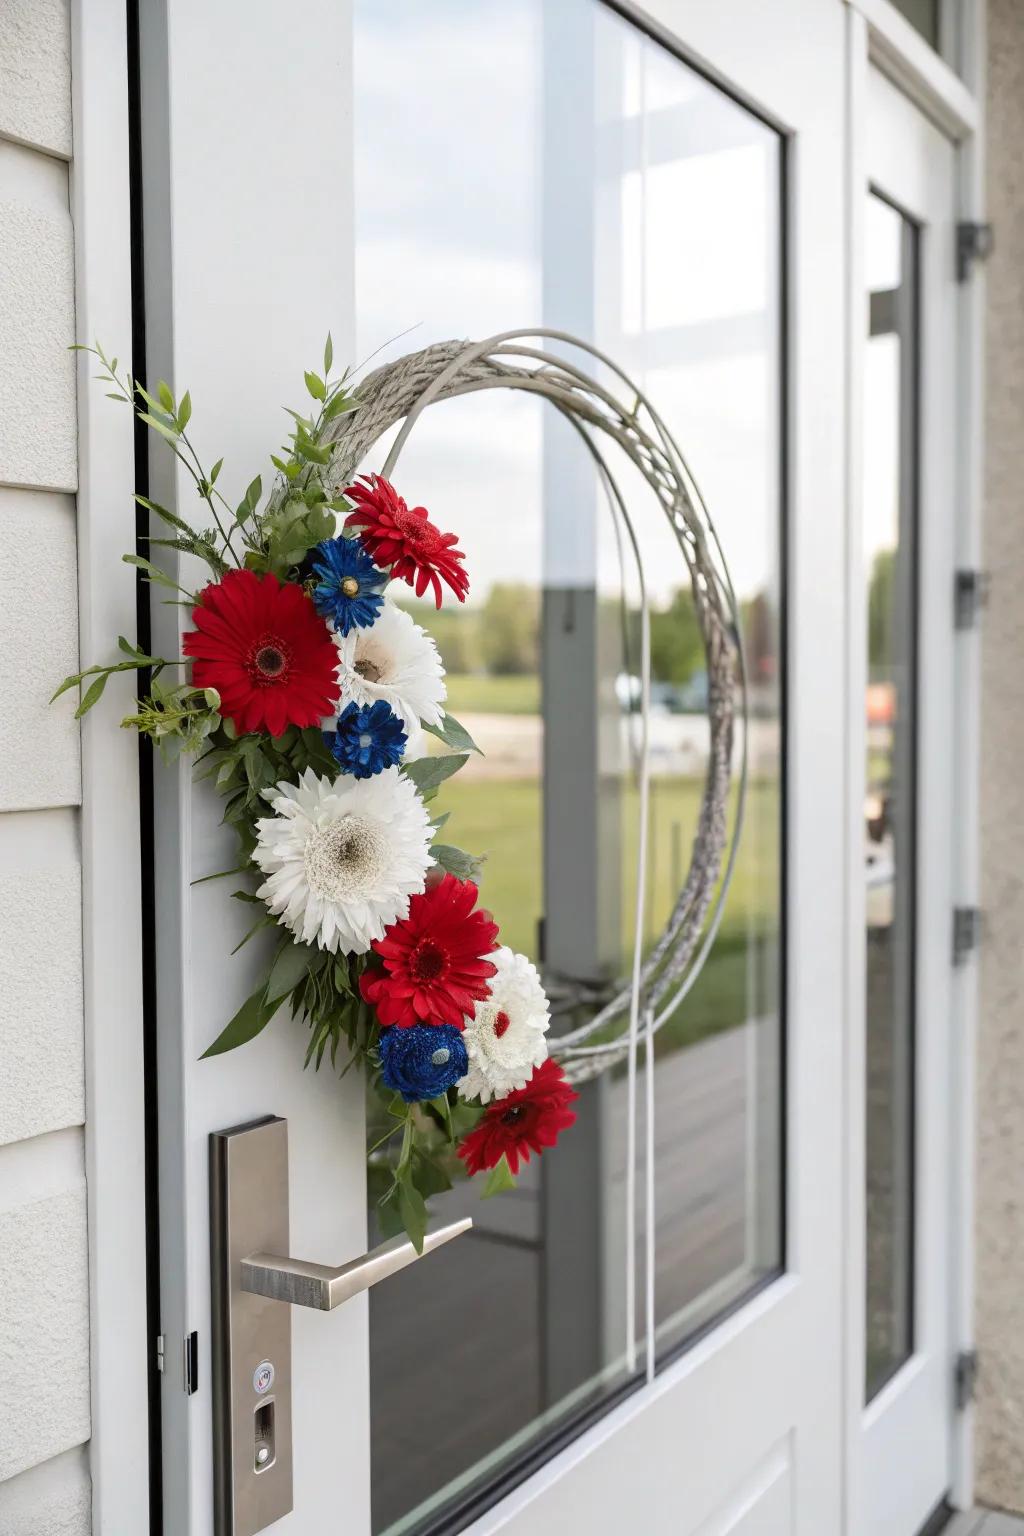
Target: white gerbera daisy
342 859
396 660
505 1040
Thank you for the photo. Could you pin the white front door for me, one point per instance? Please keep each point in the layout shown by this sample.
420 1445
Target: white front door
906 554
671 189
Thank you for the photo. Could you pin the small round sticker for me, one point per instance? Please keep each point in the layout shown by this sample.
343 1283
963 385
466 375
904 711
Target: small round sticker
263 1377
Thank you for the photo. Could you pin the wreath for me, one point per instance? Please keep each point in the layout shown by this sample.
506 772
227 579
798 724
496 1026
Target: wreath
386 950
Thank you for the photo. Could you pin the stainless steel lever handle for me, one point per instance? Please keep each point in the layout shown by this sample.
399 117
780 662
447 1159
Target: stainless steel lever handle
319 1286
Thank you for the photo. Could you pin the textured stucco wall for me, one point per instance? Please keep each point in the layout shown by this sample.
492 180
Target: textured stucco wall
51 1500
44 1282
35 73
1000 1152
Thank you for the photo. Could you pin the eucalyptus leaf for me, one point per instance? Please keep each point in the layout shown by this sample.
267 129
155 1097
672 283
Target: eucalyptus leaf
453 735
169 432
499 1179
431 1177
456 861
253 1016
413 1211
389 1217
428 772
264 921
155 574
169 517
339 404
291 965
75 679
93 694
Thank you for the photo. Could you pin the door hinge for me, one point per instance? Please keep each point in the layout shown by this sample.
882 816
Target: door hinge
974 242
966 932
965 1378
160 1360
191 1359
970 594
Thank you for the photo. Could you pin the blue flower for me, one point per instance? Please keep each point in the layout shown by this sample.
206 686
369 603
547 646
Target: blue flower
423 1061
349 585
367 738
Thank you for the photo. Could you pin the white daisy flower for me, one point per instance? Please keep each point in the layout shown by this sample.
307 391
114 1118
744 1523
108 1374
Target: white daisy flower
394 660
342 859
505 1041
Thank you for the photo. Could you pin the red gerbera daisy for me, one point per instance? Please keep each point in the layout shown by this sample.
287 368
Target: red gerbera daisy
434 966
404 538
526 1121
266 650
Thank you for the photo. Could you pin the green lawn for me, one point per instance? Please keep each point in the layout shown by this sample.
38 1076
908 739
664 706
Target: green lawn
469 694
502 819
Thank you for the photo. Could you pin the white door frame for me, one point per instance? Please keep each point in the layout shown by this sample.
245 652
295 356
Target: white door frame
879 36
111 868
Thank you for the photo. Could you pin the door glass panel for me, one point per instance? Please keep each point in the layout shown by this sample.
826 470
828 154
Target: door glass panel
923 16
889 520
696 321
940 23
549 164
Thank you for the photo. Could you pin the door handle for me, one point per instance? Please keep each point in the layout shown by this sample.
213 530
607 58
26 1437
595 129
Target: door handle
251 1354
322 1287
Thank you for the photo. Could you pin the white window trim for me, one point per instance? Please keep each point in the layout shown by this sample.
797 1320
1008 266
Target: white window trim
878 34
972 17
111 876
902 54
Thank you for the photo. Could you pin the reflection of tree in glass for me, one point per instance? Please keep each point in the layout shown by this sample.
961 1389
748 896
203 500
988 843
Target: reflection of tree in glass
677 649
510 629
500 637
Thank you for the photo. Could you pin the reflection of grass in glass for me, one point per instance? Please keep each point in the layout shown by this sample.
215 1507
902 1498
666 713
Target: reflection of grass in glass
484 695
502 817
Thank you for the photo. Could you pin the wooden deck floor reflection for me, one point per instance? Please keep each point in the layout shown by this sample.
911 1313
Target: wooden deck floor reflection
469 1348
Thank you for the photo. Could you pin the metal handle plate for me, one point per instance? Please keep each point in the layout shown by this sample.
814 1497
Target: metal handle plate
252 1335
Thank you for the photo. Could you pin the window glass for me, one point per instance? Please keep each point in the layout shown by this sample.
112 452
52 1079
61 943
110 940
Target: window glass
701 334
549 164
890 518
923 16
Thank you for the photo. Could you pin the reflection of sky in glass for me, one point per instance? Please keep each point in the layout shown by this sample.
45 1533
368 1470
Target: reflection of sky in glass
679 254
883 233
882 230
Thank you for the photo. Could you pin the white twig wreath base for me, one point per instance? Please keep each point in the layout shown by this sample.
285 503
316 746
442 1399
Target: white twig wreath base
621 414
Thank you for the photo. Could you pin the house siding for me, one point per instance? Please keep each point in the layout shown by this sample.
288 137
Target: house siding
44 1292
1000 1111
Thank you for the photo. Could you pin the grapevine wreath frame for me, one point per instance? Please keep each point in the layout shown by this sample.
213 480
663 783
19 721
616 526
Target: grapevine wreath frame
276 650
400 391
